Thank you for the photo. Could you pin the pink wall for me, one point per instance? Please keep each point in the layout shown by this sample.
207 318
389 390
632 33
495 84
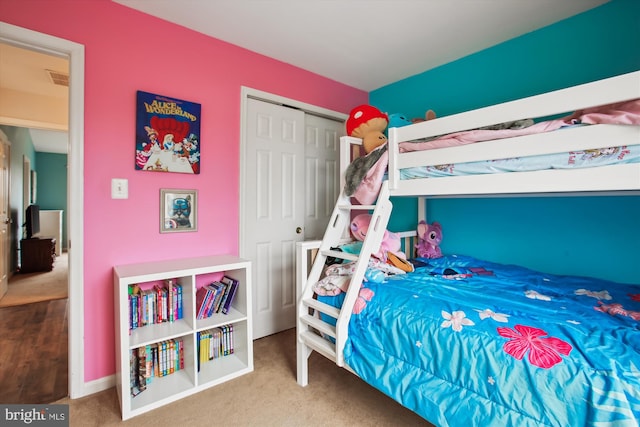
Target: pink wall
126 51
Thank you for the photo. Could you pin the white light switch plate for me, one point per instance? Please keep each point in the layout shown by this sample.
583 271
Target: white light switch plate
119 188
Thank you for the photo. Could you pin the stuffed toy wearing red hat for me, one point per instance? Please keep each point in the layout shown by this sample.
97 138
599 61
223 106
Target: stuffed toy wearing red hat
368 123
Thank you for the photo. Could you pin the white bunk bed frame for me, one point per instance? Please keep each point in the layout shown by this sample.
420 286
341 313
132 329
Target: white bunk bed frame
623 179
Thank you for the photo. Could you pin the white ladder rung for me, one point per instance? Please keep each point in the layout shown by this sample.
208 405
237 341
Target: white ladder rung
319 344
327 309
319 325
357 207
340 255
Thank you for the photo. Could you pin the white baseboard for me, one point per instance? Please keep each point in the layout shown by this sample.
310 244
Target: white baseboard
96 386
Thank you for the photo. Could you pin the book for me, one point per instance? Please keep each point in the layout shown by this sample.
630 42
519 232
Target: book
211 293
232 294
179 296
217 289
142 368
181 354
170 298
222 289
201 297
149 363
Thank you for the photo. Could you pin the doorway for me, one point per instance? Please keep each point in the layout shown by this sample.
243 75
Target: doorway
289 180
40 42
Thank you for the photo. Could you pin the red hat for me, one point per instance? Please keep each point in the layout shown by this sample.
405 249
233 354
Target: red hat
362 114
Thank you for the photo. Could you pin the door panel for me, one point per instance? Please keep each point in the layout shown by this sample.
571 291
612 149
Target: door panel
322 179
274 210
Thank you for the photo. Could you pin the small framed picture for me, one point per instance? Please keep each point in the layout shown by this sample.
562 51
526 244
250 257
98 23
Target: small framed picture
178 210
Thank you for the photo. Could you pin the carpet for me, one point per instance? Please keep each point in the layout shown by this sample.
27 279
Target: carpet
267 397
37 287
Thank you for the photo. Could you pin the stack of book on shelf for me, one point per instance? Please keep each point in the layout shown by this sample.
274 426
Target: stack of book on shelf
162 303
153 361
216 297
215 343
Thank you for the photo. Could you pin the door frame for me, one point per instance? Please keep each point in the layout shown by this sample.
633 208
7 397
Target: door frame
52 45
245 94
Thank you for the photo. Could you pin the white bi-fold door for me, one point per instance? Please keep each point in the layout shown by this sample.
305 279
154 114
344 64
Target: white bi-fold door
290 185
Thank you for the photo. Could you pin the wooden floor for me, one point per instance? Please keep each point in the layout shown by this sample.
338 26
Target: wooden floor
33 352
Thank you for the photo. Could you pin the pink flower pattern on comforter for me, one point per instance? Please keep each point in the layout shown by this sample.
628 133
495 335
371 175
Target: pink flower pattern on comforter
543 352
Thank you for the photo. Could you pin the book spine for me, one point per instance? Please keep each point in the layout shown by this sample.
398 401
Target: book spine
181 354
180 313
221 289
169 288
142 369
149 360
230 298
171 352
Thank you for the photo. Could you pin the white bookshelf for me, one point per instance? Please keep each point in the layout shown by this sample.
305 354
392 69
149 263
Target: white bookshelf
190 273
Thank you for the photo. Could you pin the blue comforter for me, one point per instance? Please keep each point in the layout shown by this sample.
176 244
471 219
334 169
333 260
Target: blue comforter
464 342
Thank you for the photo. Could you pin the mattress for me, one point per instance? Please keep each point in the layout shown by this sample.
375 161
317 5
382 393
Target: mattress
567 160
463 341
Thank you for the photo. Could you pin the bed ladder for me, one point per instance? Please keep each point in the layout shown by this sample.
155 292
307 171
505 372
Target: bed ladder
309 325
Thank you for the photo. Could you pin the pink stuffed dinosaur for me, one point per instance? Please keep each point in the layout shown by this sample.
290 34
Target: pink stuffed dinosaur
390 241
429 238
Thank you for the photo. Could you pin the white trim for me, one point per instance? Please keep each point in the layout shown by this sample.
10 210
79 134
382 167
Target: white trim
75 52
245 94
101 384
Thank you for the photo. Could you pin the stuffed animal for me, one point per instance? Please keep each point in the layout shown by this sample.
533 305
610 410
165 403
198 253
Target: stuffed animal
398 120
429 115
390 241
368 123
429 238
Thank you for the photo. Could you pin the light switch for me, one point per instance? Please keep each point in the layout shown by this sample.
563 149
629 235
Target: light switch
119 188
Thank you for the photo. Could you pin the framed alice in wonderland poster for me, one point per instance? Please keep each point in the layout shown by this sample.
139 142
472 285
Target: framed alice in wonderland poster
167 134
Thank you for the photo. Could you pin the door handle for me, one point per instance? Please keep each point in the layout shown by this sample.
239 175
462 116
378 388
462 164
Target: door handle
298 230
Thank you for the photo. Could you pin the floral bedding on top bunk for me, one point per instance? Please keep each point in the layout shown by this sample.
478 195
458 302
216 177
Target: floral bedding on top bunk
462 341
365 175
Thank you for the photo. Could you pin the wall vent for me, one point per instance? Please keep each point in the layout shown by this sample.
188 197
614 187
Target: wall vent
58 78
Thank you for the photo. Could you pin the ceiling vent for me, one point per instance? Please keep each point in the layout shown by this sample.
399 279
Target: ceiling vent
58 78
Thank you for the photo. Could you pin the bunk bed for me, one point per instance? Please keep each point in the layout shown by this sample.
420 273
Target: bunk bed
462 341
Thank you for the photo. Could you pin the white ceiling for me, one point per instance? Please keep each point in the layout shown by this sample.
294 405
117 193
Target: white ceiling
28 97
366 44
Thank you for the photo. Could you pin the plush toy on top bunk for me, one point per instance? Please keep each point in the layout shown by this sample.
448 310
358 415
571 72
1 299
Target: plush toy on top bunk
368 123
398 120
429 239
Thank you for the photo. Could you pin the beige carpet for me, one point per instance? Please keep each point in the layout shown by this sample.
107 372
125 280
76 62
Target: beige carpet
36 287
269 396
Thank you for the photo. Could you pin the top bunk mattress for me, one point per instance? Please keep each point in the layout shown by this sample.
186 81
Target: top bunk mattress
565 160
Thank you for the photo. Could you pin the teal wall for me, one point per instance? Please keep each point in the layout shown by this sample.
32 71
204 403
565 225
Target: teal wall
52 186
595 236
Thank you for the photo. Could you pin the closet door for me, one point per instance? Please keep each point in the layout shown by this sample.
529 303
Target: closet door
274 211
291 184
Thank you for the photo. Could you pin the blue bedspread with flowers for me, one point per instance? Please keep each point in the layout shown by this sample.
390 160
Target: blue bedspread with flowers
465 342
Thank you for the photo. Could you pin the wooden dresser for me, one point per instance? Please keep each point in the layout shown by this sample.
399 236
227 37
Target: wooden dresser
37 254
